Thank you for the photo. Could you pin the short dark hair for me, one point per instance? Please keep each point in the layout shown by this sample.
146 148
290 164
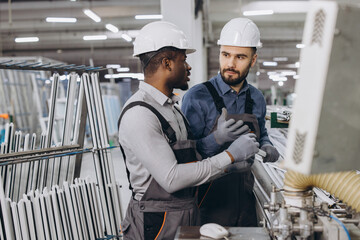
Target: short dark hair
151 61
254 50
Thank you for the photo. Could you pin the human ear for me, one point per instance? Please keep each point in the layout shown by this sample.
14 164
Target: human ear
166 63
253 60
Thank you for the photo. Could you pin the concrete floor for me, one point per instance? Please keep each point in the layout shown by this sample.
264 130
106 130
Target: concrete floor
88 170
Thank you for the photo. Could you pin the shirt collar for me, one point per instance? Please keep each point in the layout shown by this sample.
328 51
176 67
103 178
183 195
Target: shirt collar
157 95
224 88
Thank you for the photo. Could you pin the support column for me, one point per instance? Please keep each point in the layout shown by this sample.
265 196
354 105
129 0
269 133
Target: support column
182 14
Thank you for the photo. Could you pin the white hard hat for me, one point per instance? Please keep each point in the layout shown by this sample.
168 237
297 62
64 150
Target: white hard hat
159 34
240 32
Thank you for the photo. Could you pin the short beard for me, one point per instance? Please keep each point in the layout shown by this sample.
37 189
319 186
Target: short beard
184 87
234 81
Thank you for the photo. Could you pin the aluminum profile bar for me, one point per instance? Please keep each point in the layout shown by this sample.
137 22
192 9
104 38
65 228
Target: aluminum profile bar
49 131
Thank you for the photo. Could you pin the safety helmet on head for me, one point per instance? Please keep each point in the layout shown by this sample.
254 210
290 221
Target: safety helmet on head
240 32
159 34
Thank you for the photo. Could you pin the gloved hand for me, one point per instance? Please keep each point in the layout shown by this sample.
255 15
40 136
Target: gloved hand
244 147
239 167
228 130
272 154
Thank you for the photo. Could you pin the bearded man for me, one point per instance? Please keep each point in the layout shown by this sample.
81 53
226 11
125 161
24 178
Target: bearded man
215 110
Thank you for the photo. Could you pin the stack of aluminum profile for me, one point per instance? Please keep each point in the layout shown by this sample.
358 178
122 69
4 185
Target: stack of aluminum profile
37 198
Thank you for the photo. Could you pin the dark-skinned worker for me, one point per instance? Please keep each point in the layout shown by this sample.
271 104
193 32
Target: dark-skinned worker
160 155
219 102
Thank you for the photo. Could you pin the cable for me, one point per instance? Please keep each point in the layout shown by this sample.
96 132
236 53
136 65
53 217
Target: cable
341 224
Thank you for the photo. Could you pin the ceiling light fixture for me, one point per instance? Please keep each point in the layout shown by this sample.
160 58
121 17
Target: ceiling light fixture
95 37
112 28
61 19
154 16
271 73
123 69
277 78
281 83
26 39
288 73
258 12
270 64
92 15
139 76
300 45
114 66
126 37
280 59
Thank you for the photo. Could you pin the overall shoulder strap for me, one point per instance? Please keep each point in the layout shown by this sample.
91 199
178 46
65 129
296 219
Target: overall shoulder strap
249 102
219 102
187 125
167 129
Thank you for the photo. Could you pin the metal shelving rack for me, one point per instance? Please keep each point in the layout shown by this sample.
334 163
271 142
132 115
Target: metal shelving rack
50 202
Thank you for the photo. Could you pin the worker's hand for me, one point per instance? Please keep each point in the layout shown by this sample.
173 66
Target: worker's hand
239 167
244 147
272 154
228 130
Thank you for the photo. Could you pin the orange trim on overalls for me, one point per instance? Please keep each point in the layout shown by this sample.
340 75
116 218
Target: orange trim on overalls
161 226
205 194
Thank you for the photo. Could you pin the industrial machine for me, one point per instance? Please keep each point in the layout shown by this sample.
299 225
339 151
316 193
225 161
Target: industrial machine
307 195
318 196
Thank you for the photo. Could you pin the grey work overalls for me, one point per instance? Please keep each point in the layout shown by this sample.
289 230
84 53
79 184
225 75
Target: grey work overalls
158 214
229 200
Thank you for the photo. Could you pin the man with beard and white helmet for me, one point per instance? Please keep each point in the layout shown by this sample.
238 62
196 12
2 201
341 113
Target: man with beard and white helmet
216 110
159 152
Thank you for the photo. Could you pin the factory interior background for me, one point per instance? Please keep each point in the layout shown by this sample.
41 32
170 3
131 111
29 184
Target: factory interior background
48 49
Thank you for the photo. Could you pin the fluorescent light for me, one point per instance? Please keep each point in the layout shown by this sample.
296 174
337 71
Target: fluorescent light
139 76
280 83
300 45
47 81
95 37
92 15
123 69
114 66
257 73
297 64
277 78
296 77
154 16
63 77
272 73
26 39
112 28
258 12
126 37
61 19
280 59
288 73
272 64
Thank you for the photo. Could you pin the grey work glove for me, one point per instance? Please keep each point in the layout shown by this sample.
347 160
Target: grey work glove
239 167
244 147
272 155
228 130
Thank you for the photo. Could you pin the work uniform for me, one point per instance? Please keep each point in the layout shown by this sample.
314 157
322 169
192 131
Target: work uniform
162 166
228 201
